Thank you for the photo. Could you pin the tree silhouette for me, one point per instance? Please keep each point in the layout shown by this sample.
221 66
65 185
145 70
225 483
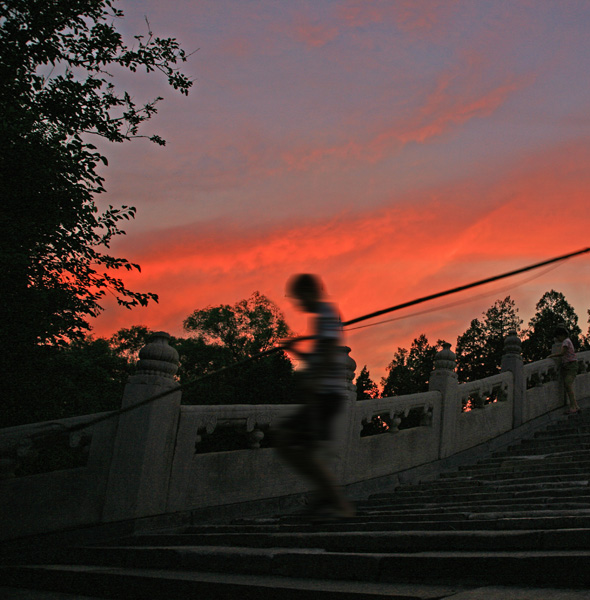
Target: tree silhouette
552 310
224 334
409 371
366 388
479 350
56 95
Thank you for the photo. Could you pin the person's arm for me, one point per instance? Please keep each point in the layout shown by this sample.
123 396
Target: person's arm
560 353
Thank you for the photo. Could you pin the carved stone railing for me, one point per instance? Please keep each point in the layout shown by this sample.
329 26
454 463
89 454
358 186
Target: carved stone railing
253 420
541 372
23 445
153 460
395 409
483 392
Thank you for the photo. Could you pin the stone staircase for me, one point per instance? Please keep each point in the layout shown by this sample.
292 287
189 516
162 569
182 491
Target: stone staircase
505 527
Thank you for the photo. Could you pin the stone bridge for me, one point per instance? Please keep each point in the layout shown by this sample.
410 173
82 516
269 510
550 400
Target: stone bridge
145 467
164 467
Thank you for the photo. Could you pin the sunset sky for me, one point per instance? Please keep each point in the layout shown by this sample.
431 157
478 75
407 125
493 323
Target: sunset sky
396 147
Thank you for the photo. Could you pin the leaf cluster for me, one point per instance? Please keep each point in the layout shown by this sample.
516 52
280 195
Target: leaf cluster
479 350
58 91
409 371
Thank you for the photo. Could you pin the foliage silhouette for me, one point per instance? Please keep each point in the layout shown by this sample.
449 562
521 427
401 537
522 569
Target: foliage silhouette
56 94
552 310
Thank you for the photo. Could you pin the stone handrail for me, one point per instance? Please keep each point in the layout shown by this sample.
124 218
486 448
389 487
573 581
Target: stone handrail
396 407
485 388
20 442
147 462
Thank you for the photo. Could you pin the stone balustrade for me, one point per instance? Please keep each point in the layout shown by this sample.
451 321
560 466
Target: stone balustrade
147 463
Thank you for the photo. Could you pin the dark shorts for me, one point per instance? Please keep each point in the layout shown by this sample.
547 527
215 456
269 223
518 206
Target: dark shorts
569 370
314 421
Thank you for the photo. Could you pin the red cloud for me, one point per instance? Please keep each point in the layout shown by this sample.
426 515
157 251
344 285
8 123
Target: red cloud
314 34
421 244
407 15
458 96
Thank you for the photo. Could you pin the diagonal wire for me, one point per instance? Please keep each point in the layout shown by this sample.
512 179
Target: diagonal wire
65 429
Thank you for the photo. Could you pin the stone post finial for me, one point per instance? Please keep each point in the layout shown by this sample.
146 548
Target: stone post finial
445 359
350 367
158 357
512 343
512 362
143 448
444 380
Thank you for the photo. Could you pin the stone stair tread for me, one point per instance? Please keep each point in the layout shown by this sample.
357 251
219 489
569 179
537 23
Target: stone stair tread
475 507
484 483
381 541
384 519
438 566
13 593
161 582
485 476
527 454
557 494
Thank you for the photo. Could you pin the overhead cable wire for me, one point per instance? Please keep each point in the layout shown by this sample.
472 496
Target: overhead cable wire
103 417
461 288
458 302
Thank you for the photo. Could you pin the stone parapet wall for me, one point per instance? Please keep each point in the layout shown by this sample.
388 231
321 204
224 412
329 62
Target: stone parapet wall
146 462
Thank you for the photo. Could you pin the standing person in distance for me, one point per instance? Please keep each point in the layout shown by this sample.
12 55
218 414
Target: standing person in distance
569 366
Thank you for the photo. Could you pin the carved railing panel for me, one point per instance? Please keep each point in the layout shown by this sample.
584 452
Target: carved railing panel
227 428
540 372
483 392
45 447
390 415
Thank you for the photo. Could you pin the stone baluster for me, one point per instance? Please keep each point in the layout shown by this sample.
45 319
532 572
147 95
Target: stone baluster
346 426
555 348
444 380
512 362
144 445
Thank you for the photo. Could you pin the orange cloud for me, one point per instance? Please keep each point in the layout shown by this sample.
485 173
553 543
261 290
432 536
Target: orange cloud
458 96
420 244
407 15
314 34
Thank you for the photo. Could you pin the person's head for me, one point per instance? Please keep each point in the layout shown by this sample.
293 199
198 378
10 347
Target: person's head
306 289
560 333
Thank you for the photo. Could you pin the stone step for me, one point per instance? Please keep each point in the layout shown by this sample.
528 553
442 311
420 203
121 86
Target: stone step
511 469
555 491
388 541
558 459
334 575
518 520
494 480
560 435
540 505
547 454
165 584
541 447
581 417
564 429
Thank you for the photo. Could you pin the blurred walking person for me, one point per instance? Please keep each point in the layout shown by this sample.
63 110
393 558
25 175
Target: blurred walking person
321 389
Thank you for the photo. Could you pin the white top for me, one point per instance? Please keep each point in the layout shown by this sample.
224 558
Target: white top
328 326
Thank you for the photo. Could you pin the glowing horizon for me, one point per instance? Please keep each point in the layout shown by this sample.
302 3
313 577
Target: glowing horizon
395 149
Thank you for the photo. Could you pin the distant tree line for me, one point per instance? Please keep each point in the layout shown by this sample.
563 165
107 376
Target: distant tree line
479 349
88 375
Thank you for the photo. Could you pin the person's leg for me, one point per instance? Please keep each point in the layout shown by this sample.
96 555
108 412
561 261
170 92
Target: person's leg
570 377
306 462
